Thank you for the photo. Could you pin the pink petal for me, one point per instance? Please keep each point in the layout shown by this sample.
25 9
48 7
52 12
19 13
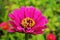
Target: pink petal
21 13
11 30
29 30
16 23
37 13
15 13
37 30
29 11
42 21
20 29
32 10
16 27
13 24
11 16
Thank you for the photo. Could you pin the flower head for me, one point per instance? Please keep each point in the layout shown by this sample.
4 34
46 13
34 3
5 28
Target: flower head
28 20
4 26
51 37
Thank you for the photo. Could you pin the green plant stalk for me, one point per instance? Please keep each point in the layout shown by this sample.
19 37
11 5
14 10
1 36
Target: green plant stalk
5 17
7 11
26 36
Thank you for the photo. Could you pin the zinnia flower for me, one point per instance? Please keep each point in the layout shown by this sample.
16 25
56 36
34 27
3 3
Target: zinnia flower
4 26
51 37
27 20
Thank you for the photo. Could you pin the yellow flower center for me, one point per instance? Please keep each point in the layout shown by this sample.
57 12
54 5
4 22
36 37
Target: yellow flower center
28 22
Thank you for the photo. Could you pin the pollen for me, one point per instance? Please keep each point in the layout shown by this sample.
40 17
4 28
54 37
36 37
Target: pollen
28 22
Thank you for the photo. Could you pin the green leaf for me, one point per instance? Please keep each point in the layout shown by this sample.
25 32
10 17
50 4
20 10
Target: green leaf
40 37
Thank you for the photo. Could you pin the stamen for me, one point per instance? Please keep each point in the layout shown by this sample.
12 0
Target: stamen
28 22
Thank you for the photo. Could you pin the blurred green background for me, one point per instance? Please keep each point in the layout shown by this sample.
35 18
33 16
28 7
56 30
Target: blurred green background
49 8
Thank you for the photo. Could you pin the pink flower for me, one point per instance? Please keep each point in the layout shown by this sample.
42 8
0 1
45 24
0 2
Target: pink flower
51 37
28 20
4 26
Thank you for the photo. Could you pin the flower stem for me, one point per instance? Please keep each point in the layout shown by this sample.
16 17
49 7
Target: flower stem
26 36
